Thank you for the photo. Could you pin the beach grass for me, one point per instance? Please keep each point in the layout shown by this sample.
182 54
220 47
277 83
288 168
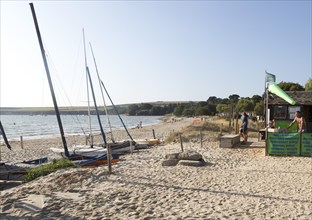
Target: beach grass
212 129
46 169
194 131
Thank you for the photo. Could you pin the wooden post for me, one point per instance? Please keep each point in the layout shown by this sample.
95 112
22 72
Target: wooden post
86 140
109 159
131 151
201 139
22 144
221 129
91 140
236 127
230 121
154 134
181 142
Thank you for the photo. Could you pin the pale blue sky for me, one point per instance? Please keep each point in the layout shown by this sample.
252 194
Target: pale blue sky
153 50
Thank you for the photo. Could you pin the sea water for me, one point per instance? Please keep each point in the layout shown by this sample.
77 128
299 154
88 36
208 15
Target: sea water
39 126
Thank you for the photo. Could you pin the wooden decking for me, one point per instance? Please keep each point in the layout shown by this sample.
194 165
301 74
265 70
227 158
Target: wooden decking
252 143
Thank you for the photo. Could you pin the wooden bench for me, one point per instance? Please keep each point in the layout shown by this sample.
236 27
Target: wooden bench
230 140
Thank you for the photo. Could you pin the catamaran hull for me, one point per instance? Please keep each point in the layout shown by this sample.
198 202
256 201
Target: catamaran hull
95 161
17 171
81 150
123 147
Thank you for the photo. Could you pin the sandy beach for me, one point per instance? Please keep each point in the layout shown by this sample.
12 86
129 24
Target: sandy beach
236 183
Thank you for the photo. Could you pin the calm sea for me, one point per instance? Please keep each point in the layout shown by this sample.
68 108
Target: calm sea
38 126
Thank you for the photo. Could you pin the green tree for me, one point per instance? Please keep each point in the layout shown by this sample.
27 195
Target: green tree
132 109
222 108
219 100
245 104
259 108
201 110
178 110
171 108
308 85
233 98
290 86
188 112
225 101
156 110
201 104
212 109
146 106
142 112
212 100
256 98
205 110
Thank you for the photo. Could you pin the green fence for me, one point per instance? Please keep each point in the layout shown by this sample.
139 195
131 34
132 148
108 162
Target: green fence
284 144
306 144
289 144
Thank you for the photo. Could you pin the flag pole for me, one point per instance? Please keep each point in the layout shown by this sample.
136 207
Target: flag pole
266 118
269 78
264 97
265 112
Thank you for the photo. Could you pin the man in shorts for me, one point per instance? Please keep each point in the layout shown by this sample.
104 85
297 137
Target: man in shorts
244 128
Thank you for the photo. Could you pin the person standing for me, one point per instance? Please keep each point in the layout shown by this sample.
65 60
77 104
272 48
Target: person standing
244 127
300 121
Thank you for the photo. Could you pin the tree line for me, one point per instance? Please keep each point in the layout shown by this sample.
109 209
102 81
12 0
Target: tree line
214 105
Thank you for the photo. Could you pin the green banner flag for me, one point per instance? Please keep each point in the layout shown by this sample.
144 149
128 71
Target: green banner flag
273 88
269 78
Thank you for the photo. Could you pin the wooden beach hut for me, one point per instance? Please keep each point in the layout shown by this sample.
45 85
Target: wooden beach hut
288 142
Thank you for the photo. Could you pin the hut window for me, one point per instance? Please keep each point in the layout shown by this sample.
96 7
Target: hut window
280 112
292 111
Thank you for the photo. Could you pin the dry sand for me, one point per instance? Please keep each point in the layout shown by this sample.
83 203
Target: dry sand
239 183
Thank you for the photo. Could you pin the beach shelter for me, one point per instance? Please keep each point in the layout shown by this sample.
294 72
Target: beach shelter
281 106
270 86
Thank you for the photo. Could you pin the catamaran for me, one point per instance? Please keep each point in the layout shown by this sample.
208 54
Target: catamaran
86 154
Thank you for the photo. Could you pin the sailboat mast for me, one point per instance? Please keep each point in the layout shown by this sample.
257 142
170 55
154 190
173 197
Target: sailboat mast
101 82
87 80
94 99
4 136
96 108
49 80
116 111
105 107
